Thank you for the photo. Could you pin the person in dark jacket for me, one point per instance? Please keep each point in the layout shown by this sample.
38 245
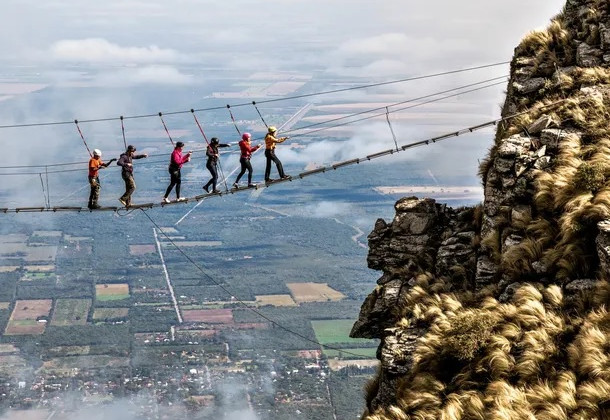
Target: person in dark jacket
212 164
246 152
175 164
126 162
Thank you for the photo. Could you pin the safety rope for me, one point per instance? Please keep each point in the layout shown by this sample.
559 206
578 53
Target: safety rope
233 119
199 125
46 170
322 169
259 114
166 130
123 131
308 95
308 133
44 193
82 137
387 116
237 299
148 161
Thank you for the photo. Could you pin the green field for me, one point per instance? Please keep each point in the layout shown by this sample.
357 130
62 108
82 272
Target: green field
106 298
37 276
366 353
110 313
335 331
71 312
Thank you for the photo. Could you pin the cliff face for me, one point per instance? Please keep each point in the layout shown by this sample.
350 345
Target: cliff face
499 311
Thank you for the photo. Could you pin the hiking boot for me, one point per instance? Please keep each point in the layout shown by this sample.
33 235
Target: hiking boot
206 188
181 199
236 185
123 202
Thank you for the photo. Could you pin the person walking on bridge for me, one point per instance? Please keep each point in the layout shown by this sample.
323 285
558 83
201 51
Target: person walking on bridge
126 162
95 164
270 142
212 163
175 164
246 153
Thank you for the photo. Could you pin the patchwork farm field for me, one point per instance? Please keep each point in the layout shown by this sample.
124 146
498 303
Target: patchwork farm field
336 331
101 314
105 292
275 300
313 292
211 316
24 319
71 312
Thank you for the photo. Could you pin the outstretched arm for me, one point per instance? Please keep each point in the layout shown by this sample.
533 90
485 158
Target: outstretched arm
105 165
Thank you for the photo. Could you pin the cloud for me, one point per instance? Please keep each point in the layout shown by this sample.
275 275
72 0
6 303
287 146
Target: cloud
159 74
326 209
99 50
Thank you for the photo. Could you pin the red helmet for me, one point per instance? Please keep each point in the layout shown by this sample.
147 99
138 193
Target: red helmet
246 136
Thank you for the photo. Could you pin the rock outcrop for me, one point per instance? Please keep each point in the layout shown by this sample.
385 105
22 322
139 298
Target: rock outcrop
499 311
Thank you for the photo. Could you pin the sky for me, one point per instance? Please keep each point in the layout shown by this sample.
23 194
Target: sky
387 37
175 44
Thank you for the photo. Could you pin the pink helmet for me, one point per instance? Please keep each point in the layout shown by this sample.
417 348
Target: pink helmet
246 136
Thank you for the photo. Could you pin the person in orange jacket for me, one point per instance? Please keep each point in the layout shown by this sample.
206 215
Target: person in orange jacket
95 164
270 142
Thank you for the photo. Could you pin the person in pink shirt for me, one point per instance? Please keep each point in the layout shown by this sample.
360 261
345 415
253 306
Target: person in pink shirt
175 164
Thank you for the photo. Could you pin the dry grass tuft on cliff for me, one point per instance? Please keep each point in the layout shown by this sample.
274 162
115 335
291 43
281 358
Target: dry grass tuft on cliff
526 358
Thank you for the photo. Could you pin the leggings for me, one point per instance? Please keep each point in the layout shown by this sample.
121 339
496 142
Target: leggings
212 168
175 180
245 165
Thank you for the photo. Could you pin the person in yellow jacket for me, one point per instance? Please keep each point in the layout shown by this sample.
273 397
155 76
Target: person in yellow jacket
270 142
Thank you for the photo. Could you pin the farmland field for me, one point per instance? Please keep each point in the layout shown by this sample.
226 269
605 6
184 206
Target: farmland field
109 313
275 300
71 312
335 331
313 292
212 316
365 353
106 292
142 249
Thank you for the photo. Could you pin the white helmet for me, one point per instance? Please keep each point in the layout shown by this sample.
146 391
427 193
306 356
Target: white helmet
97 152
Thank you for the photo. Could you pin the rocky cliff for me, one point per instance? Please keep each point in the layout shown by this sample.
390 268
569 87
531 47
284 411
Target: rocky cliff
500 311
